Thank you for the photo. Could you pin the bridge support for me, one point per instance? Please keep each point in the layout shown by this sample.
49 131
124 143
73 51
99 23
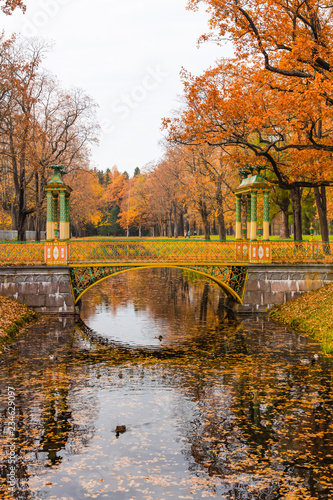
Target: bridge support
274 284
47 290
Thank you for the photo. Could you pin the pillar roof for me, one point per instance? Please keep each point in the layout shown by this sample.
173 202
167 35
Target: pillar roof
254 182
56 184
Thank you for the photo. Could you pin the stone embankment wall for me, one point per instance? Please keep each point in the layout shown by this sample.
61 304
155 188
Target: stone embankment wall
273 284
44 289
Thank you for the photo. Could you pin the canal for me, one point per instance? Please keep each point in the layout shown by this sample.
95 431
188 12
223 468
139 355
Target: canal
160 392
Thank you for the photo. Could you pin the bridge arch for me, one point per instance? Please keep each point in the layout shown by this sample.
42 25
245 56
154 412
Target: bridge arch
231 278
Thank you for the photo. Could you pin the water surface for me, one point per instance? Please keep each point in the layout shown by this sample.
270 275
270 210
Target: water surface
215 406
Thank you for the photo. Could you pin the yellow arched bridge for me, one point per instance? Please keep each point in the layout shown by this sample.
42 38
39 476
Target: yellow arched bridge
231 278
226 263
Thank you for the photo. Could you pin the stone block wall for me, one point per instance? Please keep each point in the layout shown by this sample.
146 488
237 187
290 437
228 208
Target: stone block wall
44 289
273 284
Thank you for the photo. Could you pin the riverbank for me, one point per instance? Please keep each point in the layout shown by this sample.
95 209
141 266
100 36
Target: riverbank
311 314
13 316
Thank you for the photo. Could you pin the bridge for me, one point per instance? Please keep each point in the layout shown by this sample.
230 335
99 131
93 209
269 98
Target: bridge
52 276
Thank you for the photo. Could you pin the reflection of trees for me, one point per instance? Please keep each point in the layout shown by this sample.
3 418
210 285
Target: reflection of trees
261 425
45 408
56 418
190 308
266 431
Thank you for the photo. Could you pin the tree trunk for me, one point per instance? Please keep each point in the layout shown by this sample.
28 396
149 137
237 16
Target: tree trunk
21 236
14 217
175 221
20 206
204 217
169 226
38 224
181 228
296 197
19 177
21 217
38 205
204 303
284 230
321 202
220 211
214 227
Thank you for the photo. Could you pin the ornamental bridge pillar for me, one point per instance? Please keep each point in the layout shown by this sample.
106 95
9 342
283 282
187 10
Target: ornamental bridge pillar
57 218
251 186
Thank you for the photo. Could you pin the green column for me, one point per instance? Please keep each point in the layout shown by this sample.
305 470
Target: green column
248 228
238 216
62 206
55 215
54 208
266 216
67 208
253 236
62 215
49 216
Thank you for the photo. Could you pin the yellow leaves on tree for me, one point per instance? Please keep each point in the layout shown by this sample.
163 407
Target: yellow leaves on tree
5 219
134 207
85 199
116 189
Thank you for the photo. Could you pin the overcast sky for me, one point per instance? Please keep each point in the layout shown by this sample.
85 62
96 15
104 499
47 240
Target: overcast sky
127 56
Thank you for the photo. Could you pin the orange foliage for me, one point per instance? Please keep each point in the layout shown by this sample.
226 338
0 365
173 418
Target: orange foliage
85 199
10 5
234 105
116 189
134 208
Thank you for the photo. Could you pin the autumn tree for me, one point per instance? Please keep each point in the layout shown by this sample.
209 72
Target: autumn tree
290 44
167 199
86 200
8 6
231 107
205 180
40 124
15 125
65 127
115 186
135 211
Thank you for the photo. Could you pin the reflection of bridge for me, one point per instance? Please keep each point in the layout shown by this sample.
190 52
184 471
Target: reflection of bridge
84 263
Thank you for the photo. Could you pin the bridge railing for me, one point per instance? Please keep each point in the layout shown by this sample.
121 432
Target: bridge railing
152 251
302 252
172 251
198 251
22 254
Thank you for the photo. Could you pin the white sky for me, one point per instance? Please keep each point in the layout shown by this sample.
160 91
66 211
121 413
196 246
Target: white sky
127 56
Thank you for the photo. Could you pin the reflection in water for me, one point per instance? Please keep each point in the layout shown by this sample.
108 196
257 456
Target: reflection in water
236 408
156 308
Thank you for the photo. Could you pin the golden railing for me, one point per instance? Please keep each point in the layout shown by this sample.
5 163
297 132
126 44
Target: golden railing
157 251
302 252
18 254
152 251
